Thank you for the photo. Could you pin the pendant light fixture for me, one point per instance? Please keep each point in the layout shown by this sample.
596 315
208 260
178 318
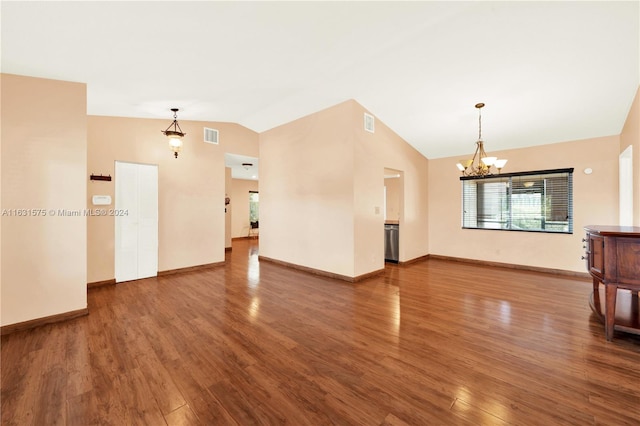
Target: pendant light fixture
175 134
484 163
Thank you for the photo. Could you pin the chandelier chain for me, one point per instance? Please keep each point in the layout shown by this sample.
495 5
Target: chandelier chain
480 123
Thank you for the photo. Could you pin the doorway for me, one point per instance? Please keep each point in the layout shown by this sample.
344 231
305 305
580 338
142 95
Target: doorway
254 214
393 213
136 221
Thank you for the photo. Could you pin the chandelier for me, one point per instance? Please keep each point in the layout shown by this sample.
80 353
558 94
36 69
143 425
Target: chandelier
483 166
175 134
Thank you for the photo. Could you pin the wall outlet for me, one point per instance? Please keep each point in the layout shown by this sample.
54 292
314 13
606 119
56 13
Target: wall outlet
376 210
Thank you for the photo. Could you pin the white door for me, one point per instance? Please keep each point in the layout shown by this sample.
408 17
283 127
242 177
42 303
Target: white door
136 221
626 187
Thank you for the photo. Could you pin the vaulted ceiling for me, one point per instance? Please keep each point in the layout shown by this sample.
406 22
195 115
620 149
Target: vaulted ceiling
547 71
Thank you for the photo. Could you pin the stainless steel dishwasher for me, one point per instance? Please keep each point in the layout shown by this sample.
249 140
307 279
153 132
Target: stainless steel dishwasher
391 239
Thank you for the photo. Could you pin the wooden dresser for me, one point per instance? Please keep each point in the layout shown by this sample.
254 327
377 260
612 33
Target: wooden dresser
613 259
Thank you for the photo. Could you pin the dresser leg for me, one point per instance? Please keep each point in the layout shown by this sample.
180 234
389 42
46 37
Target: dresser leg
611 291
596 296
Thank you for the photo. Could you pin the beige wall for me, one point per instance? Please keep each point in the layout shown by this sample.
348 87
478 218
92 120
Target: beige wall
240 199
44 166
191 188
321 192
368 195
393 187
306 191
1 204
595 202
631 136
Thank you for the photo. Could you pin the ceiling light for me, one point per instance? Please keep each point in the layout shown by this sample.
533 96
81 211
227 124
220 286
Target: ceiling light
485 162
175 134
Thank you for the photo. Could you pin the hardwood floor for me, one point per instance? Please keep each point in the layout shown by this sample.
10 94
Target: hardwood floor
431 343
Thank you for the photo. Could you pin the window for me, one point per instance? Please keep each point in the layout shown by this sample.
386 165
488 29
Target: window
540 201
254 211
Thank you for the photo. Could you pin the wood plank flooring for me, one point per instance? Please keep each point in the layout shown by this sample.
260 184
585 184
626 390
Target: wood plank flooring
432 343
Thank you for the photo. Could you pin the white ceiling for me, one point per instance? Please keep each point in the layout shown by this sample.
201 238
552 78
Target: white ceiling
547 71
242 167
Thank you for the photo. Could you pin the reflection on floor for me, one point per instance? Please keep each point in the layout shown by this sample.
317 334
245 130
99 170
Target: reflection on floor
246 343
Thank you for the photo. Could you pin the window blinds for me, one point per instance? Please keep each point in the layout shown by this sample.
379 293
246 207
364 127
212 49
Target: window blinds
539 201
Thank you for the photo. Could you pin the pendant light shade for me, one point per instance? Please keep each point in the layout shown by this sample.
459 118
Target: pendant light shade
175 134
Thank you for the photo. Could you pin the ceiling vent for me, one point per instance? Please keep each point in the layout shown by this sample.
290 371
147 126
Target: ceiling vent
211 136
369 123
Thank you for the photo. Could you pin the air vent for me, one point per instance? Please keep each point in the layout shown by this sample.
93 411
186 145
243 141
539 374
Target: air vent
211 136
369 123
